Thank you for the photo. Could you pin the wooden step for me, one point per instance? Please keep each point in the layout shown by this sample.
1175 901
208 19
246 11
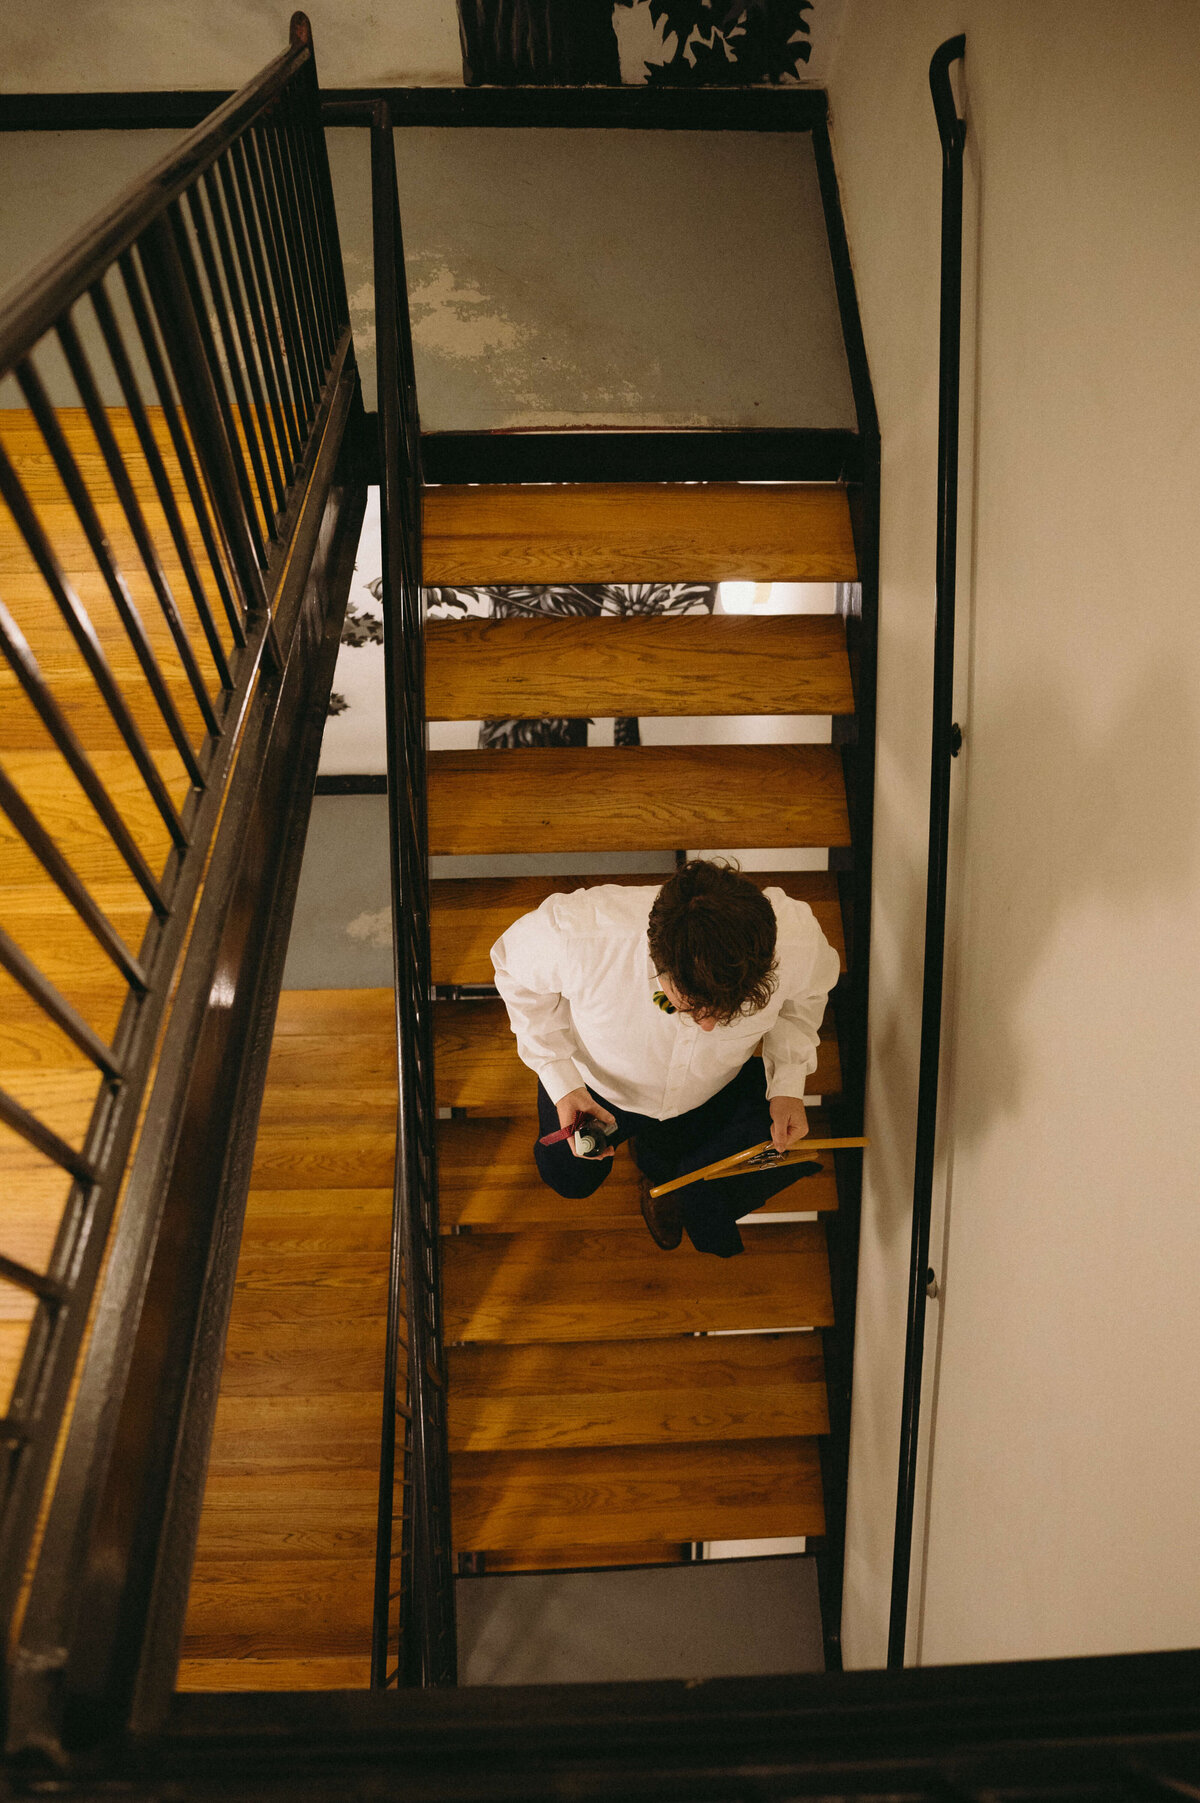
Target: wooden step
693 664
637 532
85 708
274 1608
250 1673
636 1392
640 798
735 1490
291 1153
487 1182
476 1064
468 914
281 1590
606 1285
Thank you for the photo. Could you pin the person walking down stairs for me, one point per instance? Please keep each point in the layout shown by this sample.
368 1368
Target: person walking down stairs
683 1018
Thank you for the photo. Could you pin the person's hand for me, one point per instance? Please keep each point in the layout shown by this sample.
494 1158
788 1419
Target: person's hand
579 1101
789 1122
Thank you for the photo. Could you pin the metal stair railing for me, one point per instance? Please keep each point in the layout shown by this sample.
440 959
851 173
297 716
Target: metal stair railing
185 368
413 1620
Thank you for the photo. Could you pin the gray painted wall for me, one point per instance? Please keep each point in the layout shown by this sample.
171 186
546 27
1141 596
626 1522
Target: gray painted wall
723 1619
557 278
589 278
341 932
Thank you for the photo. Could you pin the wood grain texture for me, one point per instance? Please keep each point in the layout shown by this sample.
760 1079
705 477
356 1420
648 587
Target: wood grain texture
741 1490
693 664
636 1392
637 532
541 1285
281 1593
636 798
468 914
249 1673
476 1064
324 1154
487 1182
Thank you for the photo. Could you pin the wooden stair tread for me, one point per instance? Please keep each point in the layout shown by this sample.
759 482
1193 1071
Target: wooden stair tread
637 532
280 1606
742 1489
610 1284
487 1180
81 701
693 664
476 1064
327 1155
642 798
636 1392
468 914
351 1672
284 1570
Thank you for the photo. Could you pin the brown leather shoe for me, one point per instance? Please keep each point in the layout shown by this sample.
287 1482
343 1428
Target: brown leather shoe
663 1216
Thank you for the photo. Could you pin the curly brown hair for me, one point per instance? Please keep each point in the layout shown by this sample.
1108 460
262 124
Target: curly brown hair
712 935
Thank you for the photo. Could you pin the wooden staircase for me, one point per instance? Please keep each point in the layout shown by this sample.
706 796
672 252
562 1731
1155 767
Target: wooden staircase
610 1404
595 1415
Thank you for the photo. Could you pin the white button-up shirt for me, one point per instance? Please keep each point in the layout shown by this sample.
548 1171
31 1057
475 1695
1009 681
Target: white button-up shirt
578 982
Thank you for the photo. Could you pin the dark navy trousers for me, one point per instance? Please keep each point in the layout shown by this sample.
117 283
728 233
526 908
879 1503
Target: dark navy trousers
736 1117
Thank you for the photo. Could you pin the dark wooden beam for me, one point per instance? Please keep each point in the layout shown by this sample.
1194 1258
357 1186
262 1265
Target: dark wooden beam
629 109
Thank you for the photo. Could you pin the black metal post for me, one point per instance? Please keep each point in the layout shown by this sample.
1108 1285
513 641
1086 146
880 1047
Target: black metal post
952 130
426 1654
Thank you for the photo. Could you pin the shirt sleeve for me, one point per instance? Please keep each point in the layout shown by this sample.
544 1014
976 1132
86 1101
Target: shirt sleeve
532 961
808 970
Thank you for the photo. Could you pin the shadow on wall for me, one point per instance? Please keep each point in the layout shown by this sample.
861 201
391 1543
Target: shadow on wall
1117 819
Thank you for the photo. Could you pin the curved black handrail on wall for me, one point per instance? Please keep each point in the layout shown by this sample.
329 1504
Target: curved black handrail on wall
952 131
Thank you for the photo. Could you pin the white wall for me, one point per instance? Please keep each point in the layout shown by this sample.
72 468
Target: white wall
1065 1441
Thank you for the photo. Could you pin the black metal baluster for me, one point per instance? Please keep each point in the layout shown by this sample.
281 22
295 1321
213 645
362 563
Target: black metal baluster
267 347
84 634
61 874
286 287
292 137
311 149
142 537
310 345
182 445
302 212
188 350
158 474
176 228
240 411
38 1135
46 1289
40 989
241 307
25 667
309 99
259 225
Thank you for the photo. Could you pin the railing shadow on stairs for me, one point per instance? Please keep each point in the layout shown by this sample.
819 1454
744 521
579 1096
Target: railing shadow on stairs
180 458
